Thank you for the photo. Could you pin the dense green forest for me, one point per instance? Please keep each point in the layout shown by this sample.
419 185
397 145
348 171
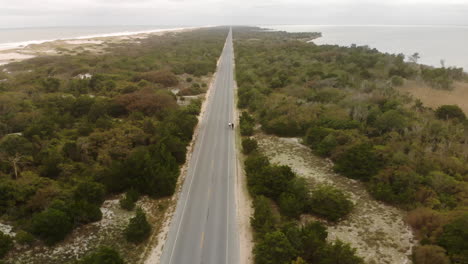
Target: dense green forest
343 103
77 129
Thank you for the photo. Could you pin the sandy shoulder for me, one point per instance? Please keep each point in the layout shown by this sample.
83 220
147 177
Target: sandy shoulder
244 209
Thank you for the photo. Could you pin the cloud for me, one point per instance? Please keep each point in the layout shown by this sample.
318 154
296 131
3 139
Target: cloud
199 12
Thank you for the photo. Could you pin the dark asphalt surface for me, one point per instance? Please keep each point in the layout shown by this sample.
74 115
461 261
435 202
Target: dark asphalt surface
204 229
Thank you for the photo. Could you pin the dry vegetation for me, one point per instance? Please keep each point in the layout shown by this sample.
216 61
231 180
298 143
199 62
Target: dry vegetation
435 97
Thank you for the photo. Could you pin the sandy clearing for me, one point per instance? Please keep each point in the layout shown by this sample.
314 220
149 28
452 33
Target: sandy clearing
7 57
376 230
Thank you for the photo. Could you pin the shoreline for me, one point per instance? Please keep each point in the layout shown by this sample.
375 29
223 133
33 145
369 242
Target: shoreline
69 46
411 39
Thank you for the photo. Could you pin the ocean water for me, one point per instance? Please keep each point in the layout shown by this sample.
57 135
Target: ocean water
433 43
17 37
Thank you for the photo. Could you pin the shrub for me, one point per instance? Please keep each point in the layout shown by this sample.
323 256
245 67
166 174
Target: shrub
315 135
165 78
330 203
270 181
246 124
91 192
263 220
85 212
103 255
274 248
249 145
51 225
397 81
290 205
6 244
430 254
339 252
427 223
129 200
450 112
391 120
358 162
24 237
454 237
396 185
295 199
138 228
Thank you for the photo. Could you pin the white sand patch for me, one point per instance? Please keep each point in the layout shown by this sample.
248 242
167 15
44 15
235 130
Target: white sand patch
8 57
376 230
6 229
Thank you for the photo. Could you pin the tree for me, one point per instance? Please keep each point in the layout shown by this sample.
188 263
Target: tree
446 112
414 58
454 237
138 229
103 255
6 244
16 150
274 248
51 225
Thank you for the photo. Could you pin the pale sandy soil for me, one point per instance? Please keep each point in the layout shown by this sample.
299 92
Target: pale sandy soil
243 202
376 230
6 229
108 231
83 41
8 57
434 98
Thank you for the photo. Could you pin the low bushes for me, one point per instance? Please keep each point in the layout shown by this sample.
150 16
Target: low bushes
6 244
103 255
330 203
246 124
249 145
129 200
138 229
51 225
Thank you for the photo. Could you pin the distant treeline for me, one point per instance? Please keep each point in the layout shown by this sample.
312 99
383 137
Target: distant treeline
341 101
77 129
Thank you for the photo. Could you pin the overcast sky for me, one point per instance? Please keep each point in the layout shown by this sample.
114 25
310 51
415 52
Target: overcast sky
25 13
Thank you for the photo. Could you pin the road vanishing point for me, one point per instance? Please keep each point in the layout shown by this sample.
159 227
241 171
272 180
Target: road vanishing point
204 228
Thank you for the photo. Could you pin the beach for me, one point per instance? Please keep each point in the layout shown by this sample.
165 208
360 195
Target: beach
96 43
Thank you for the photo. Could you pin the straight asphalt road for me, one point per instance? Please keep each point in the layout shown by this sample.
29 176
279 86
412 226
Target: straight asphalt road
204 229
